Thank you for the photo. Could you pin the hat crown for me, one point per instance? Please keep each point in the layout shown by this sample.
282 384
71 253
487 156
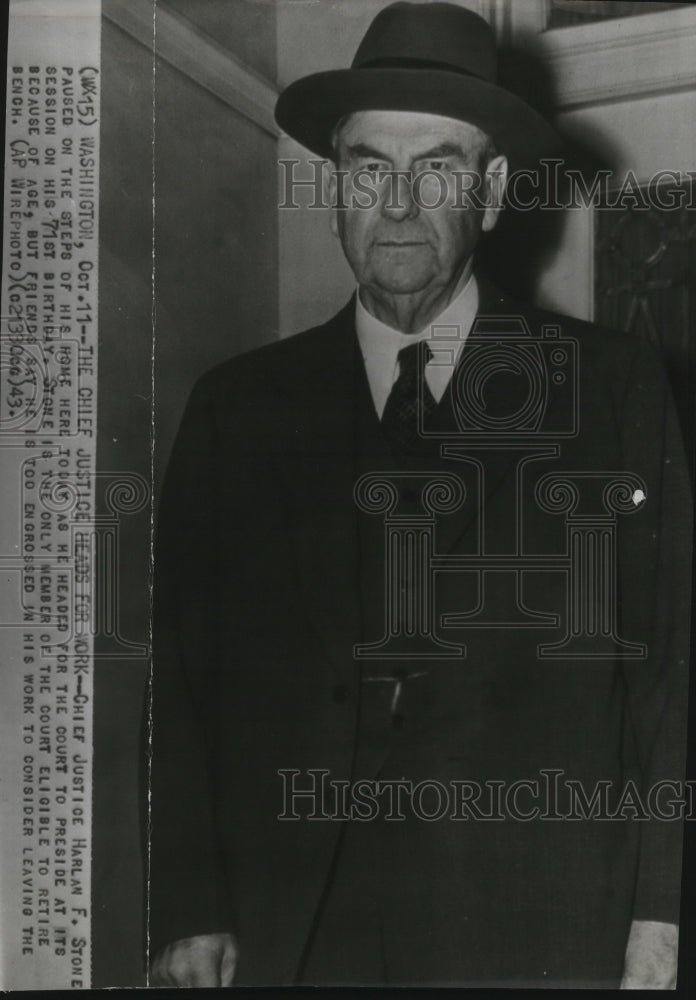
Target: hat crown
441 35
420 58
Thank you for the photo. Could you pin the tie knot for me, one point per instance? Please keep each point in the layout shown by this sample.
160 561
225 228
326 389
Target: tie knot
413 359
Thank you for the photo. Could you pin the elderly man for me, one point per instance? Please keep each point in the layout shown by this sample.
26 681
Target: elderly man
433 546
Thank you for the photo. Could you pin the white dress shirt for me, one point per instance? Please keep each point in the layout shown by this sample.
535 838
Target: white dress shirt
446 335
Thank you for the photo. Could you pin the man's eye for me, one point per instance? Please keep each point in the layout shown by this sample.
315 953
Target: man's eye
435 165
374 166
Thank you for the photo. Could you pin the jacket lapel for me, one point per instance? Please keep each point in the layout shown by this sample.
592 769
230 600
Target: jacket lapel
320 470
485 462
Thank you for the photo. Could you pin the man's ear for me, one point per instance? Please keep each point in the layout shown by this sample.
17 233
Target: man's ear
495 180
329 182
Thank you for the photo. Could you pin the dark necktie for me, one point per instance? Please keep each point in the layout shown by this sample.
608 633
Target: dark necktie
410 401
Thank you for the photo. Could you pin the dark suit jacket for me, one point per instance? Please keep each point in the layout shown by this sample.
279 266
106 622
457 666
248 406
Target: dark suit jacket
258 586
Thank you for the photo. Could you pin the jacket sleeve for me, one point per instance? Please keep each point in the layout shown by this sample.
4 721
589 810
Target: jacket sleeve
655 603
187 892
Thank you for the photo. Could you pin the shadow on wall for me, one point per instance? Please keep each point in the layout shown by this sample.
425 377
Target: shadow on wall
516 252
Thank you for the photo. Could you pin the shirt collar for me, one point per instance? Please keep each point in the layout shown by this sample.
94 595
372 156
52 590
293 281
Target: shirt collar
446 334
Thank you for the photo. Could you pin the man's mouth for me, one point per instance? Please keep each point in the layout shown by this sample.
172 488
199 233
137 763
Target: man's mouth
401 243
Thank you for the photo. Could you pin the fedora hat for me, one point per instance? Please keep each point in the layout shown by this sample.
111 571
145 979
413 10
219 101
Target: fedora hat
423 57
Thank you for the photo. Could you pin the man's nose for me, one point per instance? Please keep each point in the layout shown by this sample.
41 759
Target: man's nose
397 197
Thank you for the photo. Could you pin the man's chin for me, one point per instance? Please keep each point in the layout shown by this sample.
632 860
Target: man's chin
398 283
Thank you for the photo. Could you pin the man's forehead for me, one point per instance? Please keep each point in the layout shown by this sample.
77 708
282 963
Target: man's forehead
384 127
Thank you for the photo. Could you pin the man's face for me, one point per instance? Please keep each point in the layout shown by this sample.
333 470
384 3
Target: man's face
396 245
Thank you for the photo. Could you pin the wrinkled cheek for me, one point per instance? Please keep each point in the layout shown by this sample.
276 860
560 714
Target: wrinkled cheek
355 242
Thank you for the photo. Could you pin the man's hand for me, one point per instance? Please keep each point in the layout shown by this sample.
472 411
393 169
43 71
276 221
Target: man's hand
651 956
206 960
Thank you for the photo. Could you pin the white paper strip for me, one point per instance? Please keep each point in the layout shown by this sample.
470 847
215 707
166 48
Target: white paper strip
48 368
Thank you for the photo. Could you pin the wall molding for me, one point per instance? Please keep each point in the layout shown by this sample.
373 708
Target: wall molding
620 58
594 63
184 46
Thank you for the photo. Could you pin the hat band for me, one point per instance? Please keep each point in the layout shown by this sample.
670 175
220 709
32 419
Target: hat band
399 62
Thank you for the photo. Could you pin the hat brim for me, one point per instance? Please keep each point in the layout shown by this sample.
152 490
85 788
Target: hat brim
309 109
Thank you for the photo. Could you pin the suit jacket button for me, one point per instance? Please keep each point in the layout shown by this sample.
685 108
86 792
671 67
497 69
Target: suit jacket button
341 694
